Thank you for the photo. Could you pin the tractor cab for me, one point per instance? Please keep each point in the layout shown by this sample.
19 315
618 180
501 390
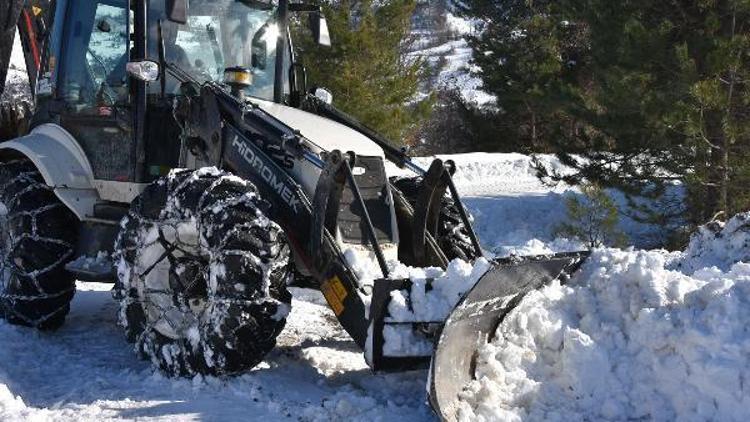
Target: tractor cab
123 121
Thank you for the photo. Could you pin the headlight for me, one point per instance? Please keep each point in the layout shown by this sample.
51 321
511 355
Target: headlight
238 76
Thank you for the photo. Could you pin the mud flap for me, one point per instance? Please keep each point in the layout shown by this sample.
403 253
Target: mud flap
476 318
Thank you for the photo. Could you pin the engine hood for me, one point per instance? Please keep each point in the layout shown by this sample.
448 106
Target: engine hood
325 133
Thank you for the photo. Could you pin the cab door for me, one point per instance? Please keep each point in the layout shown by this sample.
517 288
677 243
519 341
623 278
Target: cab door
93 87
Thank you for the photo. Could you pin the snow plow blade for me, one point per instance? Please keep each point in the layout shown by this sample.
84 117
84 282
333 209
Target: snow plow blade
476 318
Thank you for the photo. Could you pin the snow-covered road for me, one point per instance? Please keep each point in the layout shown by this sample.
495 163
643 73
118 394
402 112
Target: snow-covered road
87 371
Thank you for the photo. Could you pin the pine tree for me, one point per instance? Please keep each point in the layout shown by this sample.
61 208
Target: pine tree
670 93
715 116
532 62
637 93
592 218
367 68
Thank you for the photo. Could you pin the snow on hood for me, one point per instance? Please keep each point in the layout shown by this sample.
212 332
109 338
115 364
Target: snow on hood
325 133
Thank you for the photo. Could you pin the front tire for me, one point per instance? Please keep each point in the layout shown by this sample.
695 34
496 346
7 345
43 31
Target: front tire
37 238
202 274
452 234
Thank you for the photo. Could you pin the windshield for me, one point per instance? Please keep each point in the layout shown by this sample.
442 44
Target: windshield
221 34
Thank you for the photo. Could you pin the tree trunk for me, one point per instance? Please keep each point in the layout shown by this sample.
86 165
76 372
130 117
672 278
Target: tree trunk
728 114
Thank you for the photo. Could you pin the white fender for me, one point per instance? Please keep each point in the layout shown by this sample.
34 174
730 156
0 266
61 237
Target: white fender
63 165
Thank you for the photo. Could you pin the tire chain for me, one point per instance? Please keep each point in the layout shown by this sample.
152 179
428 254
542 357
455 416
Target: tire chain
452 236
176 250
14 280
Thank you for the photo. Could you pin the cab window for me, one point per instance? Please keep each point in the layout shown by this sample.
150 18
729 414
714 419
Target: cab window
95 54
219 34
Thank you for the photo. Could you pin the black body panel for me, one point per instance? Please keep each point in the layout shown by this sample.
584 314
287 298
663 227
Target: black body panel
163 146
373 185
107 141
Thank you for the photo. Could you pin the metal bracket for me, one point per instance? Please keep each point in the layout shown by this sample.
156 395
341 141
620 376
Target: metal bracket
435 183
381 296
337 171
325 205
448 175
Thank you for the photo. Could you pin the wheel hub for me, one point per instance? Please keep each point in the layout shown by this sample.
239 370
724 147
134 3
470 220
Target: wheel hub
175 289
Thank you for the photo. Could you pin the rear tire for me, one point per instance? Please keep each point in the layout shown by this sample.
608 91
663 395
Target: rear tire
37 238
202 274
452 234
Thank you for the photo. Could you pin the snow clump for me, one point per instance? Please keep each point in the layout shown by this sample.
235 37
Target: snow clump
434 292
718 244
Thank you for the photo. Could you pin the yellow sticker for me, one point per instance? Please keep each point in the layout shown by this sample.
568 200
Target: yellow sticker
36 9
339 288
335 293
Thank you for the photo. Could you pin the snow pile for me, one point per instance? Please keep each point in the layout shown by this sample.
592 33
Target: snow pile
627 338
101 263
537 247
10 404
431 297
434 292
718 244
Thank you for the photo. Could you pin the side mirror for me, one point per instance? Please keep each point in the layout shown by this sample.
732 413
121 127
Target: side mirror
146 70
319 28
324 95
177 10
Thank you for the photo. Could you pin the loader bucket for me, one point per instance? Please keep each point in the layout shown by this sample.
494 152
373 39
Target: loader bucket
476 318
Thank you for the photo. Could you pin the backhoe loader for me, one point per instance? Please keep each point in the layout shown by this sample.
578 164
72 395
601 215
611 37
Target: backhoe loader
175 150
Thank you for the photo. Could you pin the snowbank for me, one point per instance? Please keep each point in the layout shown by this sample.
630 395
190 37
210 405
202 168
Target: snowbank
517 214
718 244
629 337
